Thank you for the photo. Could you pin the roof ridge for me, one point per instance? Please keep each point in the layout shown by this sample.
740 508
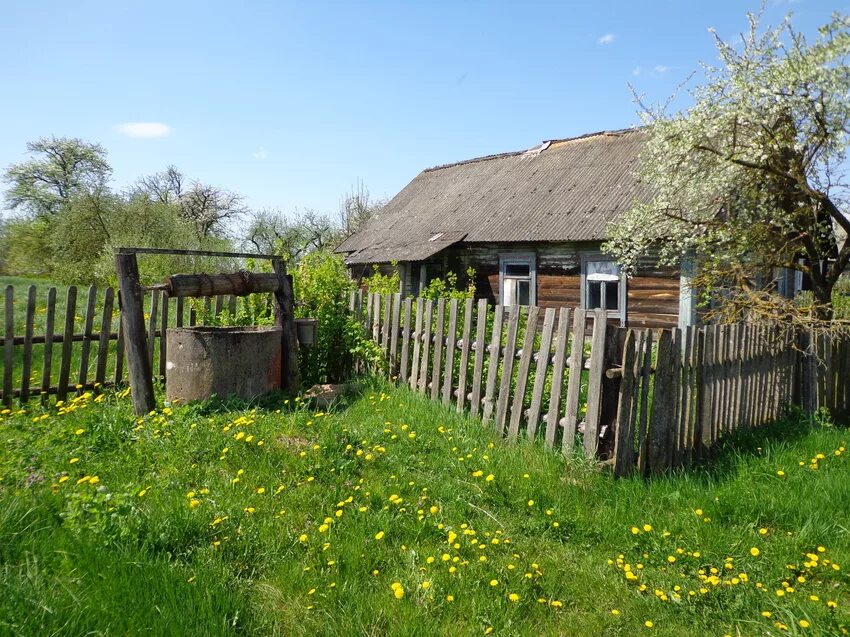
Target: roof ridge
615 132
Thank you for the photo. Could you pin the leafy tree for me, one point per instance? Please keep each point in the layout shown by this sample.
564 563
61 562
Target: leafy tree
61 169
356 208
752 176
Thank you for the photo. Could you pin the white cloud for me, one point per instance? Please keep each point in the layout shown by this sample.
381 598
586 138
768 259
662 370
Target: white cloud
608 38
144 130
656 71
261 154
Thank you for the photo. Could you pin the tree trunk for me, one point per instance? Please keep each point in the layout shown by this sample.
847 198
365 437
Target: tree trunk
822 292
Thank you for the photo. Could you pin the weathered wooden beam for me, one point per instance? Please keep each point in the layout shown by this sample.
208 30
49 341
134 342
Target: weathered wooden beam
133 324
236 284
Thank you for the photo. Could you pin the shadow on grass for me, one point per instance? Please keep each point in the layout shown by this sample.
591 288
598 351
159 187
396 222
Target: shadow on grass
284 403
726 456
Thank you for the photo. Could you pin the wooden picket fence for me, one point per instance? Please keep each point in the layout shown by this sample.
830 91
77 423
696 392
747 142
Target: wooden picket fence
86 351
643 401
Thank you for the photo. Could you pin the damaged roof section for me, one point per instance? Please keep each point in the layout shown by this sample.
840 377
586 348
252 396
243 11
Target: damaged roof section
562 190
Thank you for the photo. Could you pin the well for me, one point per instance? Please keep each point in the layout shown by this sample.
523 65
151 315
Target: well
225 361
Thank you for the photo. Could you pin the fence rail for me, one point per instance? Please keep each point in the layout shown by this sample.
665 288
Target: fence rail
85 349
644 401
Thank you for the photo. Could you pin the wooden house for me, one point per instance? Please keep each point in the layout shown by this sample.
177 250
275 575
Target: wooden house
531 224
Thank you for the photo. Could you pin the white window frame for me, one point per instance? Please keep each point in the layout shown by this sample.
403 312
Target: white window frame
519 258
619 313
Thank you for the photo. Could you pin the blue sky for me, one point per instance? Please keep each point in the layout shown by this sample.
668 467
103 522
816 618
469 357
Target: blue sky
291 104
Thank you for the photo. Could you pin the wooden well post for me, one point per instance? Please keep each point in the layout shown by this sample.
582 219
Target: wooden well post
180 286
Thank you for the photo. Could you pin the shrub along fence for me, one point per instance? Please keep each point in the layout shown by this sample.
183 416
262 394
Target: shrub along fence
52 344
641 400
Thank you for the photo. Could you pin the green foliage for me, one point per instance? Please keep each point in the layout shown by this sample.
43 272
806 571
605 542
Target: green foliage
751 175
322 287
62 168
447 287
379 283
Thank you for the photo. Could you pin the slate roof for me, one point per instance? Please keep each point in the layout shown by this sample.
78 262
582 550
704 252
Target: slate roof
563 190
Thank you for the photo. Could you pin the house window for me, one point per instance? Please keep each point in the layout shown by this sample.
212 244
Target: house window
603 286
517 279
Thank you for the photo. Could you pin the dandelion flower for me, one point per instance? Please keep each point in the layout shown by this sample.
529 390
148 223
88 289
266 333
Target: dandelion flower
513 597
494 582
379 535
754 552
648 623
804 623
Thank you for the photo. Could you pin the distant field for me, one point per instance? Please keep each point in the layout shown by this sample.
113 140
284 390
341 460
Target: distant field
394 516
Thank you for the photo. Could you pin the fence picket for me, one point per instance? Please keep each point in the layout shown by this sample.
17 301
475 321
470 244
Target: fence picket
646 380
522 372
67 343
9 345
405 342
29 327
152 325
118 374
480 347
451 339
417 345
574 382
396 319
660 423
437 366
385 324
426 346
103 339
543 357
163 341
47 358
463 373
624 432
553 414
493 363
594 385
516 312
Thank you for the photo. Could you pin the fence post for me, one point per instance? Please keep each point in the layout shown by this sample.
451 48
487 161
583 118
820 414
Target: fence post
133 322
609 398
285 319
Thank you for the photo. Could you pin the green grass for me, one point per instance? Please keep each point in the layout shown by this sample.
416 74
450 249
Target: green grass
176 537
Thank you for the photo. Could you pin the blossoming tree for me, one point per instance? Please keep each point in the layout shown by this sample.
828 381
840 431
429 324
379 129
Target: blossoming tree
751 177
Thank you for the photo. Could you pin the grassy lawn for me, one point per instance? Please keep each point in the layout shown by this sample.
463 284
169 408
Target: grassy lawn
393 516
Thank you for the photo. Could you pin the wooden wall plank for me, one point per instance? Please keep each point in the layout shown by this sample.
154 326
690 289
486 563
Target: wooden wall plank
543 357
517 407
463 373
480 351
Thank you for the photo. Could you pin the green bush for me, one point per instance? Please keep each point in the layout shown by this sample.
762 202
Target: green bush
322 288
